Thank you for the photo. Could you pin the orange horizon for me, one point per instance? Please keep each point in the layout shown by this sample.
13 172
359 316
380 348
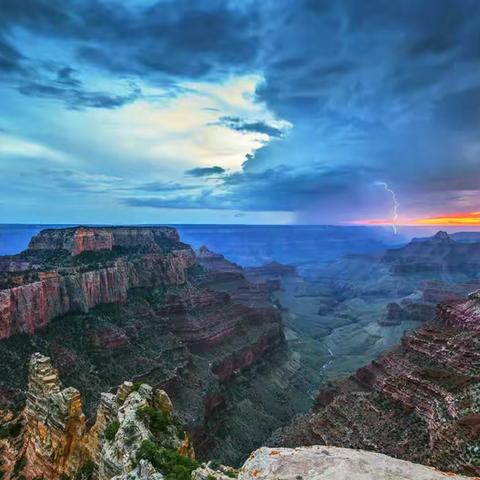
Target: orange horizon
471 219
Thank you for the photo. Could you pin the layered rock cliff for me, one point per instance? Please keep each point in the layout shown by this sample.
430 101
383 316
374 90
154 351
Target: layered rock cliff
419 401
134 430
440 253
133 257
113 303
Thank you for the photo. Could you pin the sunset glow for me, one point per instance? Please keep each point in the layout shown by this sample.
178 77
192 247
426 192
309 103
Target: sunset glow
453 219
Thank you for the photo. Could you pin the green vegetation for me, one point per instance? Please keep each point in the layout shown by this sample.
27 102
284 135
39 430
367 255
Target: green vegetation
129 434
157 421
136 386
19 466
86 471
111 430
173 465
10 430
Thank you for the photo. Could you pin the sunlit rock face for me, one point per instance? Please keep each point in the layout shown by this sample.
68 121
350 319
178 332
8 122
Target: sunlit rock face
107 264
55 431
418 401
331 463
90 239
54 441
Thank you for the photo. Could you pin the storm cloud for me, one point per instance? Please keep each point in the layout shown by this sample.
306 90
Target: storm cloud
296 106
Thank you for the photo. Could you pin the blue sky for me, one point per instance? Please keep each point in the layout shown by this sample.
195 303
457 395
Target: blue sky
280 111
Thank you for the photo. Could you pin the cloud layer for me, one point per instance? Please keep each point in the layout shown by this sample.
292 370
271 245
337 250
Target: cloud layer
281 110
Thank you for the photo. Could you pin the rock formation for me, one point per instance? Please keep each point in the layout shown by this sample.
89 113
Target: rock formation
77 240
332 463
136 436
54 441
214 262
439 253
158 258
418 402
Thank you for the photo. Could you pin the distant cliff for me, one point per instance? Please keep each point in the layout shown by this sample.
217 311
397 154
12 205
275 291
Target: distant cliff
440 253
132 257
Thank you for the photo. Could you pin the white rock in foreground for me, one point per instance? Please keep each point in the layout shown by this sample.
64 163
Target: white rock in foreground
333 463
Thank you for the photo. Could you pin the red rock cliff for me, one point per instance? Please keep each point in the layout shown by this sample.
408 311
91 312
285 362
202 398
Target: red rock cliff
32 304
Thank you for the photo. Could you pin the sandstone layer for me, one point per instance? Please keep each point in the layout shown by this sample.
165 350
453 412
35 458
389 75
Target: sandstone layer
147 257
54 441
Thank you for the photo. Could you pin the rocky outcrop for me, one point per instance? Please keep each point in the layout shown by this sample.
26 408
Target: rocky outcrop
331 463
395 313
439 253
33 302
462 315
418 401
271 270
55 442
54 437
437 291
212 261
77 240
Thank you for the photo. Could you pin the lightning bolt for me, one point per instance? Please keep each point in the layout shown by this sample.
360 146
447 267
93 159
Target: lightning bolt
396 205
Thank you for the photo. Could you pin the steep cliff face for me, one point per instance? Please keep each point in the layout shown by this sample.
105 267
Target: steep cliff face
54 442
87 239
419 401
147 258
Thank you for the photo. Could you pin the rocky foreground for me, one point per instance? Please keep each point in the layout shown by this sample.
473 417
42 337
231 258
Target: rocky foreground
136 436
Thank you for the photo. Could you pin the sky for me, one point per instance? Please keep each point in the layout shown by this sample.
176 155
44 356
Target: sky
223 111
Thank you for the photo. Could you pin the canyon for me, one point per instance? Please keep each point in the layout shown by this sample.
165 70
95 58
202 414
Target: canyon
136 435
418 401
241 350
115 303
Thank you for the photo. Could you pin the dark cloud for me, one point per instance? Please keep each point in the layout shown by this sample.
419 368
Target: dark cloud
10 58
375 90
205 171
76 98
168 39
236 123
460 109
270 190
65 76
177 37
158 187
